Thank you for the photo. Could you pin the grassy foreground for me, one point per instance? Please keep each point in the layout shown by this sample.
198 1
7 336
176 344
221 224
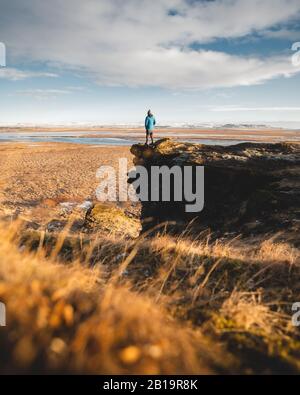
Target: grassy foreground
154 305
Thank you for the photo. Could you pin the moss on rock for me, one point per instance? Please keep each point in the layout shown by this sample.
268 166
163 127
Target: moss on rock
113 220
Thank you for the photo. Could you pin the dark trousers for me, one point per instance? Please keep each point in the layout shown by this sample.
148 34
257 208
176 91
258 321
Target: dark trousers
149 133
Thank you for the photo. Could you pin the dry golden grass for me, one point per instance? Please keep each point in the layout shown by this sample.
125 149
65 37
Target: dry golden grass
154 305
66 318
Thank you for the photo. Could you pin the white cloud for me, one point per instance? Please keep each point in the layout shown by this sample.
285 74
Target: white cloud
138 42
43 93
287 34
16 75
255 109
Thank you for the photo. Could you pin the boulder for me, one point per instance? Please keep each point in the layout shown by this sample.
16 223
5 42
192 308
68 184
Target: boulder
244 183
112 220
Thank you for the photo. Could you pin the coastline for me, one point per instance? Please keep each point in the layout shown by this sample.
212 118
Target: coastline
138 134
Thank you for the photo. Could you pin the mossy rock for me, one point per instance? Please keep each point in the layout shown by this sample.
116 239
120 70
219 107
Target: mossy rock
142 151
112 220
162 147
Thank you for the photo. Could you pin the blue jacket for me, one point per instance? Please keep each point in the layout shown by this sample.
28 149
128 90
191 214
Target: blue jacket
150 122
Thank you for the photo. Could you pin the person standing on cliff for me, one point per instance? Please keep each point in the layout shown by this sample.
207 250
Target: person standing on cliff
150 123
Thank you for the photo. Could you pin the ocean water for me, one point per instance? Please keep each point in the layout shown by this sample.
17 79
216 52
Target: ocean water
59 137
81 138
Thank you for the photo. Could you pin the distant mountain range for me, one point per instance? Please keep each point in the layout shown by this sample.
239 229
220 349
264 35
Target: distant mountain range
173 125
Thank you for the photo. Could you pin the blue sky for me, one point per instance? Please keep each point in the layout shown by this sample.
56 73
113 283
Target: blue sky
108 61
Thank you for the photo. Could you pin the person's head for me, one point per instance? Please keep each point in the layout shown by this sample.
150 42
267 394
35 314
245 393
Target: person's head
149 113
